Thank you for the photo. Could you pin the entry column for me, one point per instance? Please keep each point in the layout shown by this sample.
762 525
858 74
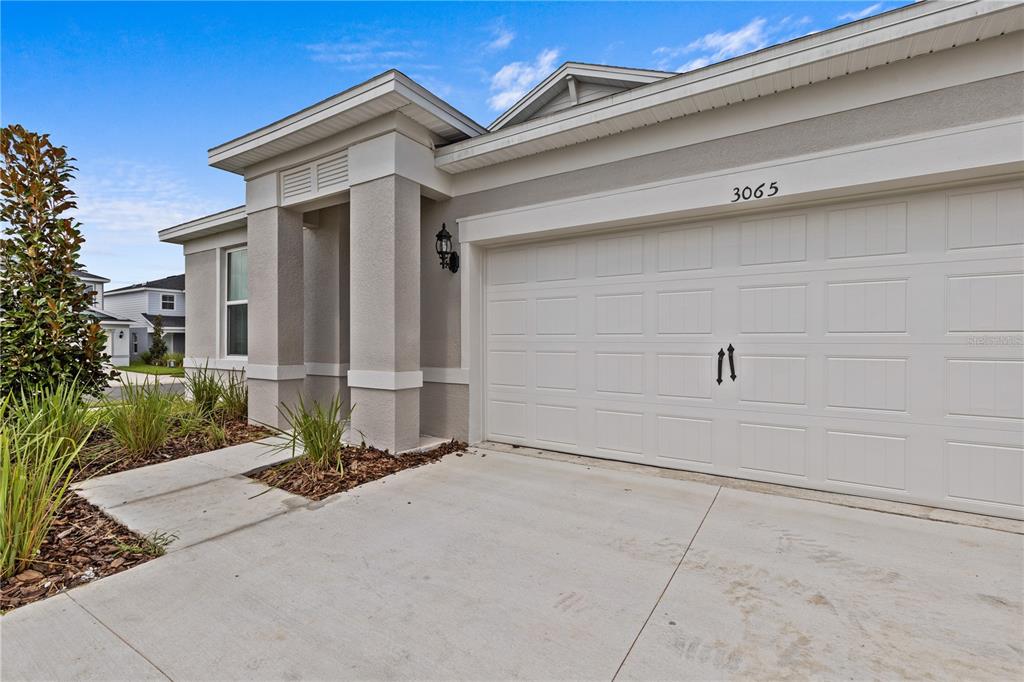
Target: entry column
384 375
276 368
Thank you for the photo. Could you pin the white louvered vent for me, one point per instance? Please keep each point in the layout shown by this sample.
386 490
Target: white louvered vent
315 179
332 172
296 182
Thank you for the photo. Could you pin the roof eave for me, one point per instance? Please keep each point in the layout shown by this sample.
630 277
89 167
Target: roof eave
382 94
541 134
214 223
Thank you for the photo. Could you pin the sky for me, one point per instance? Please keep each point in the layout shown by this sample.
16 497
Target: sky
139 91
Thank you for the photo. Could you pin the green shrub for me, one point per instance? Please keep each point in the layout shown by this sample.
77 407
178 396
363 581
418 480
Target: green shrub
318 430
60 407
36 464
206 389
144 418
177 358
146 357
234 398
158 347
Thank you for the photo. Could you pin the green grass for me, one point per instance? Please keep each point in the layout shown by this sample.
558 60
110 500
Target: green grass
154 369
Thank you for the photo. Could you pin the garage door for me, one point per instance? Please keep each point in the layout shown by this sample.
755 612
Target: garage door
872 348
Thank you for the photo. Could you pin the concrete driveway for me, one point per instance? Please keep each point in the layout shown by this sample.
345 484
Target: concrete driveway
506 566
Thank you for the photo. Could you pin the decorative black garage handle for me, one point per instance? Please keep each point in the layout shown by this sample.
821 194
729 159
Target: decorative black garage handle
721 356
732 366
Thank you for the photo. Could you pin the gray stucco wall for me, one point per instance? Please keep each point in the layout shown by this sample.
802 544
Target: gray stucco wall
444 407
202 288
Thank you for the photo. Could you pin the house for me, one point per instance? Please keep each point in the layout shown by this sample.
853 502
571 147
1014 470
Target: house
142 303
117 329
801 266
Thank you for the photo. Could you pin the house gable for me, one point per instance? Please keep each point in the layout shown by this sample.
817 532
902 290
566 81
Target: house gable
572 84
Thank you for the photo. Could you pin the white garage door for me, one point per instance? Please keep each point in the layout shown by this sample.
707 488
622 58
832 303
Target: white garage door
877 347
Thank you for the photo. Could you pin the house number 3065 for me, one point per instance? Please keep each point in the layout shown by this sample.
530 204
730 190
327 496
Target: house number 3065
765 189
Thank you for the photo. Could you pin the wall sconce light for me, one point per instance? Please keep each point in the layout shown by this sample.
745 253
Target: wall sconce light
120 334
449 258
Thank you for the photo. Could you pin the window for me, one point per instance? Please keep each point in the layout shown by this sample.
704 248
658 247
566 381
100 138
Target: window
135 342
238 302
166 301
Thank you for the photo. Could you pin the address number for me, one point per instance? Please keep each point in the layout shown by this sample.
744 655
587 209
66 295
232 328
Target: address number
765 189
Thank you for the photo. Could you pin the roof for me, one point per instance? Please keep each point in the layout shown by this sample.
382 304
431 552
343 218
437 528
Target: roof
388 92
889 37
104 316
88 276
169 321
214 223
175 282
611 78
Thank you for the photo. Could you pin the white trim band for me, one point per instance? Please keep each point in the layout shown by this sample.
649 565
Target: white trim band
233 364
445 375
276 372
387 381
327 369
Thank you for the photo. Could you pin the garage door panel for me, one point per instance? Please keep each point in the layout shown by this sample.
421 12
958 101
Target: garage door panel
877 347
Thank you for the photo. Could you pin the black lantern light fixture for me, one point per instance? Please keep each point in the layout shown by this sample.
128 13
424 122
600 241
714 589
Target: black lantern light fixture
120 334
449 258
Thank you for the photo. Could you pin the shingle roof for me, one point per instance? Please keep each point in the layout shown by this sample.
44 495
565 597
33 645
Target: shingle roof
176 282
104 316
169 320
82 274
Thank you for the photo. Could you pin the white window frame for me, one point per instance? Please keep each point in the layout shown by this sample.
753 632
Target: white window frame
135 342
227 303
163 301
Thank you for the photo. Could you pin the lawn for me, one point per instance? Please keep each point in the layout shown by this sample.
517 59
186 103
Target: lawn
154 369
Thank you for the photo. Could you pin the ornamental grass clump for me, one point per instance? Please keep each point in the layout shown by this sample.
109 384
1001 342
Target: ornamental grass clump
144 419
206 389
319 431
36 464
234 397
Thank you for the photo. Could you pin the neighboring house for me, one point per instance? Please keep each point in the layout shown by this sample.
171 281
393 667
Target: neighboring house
800 266
117 329
142 303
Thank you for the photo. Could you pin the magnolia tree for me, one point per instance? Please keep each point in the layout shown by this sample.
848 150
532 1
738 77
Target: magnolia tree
46 333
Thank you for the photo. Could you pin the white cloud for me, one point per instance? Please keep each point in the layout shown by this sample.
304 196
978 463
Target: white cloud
721 45
867 11
503 37
121 205
514 80
380 51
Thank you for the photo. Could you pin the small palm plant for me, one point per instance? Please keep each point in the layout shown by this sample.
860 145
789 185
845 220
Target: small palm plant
319 431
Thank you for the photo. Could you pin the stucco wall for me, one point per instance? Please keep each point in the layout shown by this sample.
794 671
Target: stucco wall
202 288
984 100
444 410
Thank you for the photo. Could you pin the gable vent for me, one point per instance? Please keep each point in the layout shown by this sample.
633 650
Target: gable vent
332 172
296 182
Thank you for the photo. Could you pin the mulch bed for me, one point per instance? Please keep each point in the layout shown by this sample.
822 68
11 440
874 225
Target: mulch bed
83 544
103 456
361 465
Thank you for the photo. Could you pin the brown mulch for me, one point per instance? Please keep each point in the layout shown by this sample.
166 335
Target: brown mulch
361 465
103 456
82 545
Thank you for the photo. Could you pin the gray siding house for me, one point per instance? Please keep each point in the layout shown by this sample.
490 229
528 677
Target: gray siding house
802 265
142 303
116 328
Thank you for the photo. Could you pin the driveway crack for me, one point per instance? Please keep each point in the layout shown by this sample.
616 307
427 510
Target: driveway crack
118 635
669 582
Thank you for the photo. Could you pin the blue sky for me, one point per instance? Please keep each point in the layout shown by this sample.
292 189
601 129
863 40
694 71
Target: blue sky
139 91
